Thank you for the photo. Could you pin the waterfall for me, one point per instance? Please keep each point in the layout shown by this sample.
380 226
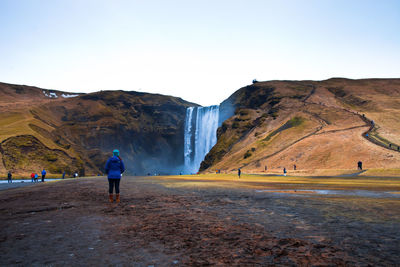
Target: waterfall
200 135
188 136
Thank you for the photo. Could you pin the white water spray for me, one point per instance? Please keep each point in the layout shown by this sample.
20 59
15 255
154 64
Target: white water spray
200 135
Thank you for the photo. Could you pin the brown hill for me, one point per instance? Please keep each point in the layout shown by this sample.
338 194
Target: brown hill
328 124
75 132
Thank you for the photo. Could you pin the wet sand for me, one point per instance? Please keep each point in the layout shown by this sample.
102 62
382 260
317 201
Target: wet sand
14 184
175 222
4 185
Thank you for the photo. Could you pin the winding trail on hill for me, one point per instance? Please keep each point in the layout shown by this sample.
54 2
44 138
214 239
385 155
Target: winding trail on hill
367 134
368 123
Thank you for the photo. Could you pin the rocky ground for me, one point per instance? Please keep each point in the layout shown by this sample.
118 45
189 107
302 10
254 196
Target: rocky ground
178 223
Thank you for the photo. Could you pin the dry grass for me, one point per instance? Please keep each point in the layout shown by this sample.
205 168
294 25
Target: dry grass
256 181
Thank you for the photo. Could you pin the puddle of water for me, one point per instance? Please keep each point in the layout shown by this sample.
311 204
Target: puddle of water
25 181
360 193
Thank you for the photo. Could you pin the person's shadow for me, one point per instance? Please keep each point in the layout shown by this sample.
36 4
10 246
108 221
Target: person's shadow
352 174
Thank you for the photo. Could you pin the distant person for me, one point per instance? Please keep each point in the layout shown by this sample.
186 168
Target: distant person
266 168
43 174
63 176
239 172
36 177
294 167
33 177
9 177
284 171
114 169
359 165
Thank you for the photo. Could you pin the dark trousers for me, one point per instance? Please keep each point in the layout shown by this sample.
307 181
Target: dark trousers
43 176
113 183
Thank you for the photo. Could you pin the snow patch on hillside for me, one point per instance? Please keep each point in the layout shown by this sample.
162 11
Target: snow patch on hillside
68 96
50 94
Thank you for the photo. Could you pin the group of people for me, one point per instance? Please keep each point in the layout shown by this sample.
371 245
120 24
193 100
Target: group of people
35 176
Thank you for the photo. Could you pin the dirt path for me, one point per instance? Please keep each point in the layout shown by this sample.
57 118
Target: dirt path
180 223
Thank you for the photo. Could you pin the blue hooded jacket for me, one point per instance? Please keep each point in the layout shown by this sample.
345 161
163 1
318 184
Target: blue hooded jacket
114 167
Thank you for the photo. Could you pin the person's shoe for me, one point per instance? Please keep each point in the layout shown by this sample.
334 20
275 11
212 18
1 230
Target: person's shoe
111 198
117 199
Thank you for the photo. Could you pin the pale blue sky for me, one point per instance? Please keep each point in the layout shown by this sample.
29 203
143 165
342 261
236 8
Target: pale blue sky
201 51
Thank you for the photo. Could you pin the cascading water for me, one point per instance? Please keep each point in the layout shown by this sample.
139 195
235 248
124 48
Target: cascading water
200 135
188 136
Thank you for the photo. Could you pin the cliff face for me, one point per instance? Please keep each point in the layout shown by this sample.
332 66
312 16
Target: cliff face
310 124
81 131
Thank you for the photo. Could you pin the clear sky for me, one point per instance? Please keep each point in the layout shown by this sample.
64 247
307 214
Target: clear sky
200 50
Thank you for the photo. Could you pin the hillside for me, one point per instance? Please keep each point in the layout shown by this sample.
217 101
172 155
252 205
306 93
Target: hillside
329 124
76 132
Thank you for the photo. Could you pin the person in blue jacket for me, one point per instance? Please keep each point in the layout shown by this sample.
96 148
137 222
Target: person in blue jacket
114 169
43 174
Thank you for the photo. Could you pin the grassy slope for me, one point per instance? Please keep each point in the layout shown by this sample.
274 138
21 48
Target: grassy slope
17 107
329 137
328 182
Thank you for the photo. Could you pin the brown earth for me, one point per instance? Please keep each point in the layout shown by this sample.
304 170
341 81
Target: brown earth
167 222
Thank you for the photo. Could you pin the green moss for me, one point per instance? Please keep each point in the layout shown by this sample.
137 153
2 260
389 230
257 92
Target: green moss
27 153
293 122
247 154
51 157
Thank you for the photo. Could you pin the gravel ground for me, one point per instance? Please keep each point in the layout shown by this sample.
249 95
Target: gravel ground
184 223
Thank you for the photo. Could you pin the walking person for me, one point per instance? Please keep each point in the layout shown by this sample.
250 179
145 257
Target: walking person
284 171
63 176
36 177
359 165
43 175
9 177
239 172
114 169
32 177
